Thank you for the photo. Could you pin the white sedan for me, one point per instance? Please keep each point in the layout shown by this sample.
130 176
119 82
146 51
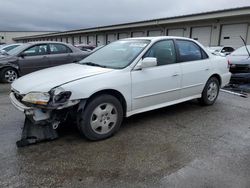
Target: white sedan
124 78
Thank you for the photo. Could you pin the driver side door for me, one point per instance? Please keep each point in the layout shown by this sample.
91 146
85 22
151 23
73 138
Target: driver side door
155 87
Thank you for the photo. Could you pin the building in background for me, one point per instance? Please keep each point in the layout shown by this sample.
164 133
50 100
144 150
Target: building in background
216 28
7 36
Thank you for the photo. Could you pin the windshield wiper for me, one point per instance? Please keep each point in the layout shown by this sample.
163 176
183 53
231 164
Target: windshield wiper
93 64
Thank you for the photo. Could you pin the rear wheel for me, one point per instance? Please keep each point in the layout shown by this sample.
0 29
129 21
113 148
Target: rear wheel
8 75
101 118
210 92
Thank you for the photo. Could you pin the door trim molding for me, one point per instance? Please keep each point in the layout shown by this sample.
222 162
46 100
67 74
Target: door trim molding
158 93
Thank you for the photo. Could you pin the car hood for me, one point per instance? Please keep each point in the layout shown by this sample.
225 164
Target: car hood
239 59
45 80
7 58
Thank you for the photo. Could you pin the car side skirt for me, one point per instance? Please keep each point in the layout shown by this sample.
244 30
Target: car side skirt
137 111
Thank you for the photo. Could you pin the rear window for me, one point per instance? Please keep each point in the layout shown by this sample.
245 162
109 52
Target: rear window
241 51
59 49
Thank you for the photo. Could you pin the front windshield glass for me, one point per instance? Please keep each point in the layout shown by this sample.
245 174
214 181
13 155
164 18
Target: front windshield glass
116 55
241 51
18 49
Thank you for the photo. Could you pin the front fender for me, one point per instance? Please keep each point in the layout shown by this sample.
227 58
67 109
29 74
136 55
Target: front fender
9 65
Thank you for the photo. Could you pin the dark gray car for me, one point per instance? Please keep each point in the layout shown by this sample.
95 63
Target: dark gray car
31 57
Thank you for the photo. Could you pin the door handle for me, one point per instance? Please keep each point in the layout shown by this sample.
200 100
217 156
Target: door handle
175 74
207 69
45 56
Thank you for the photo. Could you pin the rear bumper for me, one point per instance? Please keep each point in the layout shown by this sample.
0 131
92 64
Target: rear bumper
225 79
240 68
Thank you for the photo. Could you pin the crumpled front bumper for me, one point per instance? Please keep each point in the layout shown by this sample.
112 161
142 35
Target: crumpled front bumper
33 130
20 106
34 114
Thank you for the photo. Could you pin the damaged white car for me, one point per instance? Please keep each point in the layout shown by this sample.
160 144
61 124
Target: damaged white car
124 78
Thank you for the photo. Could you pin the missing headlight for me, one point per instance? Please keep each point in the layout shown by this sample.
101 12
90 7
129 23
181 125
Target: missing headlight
59 95
62 97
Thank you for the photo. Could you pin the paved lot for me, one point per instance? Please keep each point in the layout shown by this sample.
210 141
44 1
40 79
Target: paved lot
180 146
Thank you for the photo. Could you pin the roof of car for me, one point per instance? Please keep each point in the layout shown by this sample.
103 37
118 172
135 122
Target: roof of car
158 38
45 42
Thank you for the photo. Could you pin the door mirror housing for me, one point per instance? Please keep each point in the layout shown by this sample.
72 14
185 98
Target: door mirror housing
22 55
148 62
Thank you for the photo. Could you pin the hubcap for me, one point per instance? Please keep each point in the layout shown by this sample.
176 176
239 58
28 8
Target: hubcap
212 91
10 76
104 118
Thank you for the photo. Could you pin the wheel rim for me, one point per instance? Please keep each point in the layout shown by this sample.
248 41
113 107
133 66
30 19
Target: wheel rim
10 75
104 118
212 91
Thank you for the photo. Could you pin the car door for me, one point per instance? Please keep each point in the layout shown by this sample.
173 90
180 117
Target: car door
34 58
59 54
195 67
156 86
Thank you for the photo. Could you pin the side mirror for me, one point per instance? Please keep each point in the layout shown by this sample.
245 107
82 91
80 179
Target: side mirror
3 52
148 62
22 55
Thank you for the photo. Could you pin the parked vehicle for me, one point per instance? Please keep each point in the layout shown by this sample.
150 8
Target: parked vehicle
85 47
8 47
221 50
31 57
239 60
124 78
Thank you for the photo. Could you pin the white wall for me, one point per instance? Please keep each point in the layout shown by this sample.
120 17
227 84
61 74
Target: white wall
9 35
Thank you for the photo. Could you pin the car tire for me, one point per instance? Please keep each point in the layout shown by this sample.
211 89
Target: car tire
210 92
101 118
8 75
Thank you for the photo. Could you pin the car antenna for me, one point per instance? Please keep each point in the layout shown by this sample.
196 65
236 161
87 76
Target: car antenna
245 45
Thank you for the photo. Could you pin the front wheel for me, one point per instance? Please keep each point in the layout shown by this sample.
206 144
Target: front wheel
101 118
8 75
210 92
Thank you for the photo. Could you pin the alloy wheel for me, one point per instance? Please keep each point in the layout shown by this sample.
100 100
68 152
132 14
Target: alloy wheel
10 76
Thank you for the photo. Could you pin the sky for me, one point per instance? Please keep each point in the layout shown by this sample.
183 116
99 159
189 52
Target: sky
61 15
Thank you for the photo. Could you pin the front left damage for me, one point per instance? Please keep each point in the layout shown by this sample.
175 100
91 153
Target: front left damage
44 112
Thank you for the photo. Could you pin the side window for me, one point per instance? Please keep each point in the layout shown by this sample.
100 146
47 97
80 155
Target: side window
36 50
189 51
59 49
163 51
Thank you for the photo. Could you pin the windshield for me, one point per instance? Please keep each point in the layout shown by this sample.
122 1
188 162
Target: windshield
241 51
18 49
116 55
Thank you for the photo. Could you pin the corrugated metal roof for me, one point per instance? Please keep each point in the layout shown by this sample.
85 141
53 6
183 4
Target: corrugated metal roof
131 24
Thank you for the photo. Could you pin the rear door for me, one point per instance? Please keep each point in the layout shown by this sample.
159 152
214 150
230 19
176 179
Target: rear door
195 66
59 54
33 59
154 86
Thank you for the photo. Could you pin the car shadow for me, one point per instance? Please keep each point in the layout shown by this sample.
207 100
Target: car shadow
70 132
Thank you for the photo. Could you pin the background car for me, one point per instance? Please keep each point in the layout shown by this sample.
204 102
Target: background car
85 47
221 50
239 60
31 57
8 47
